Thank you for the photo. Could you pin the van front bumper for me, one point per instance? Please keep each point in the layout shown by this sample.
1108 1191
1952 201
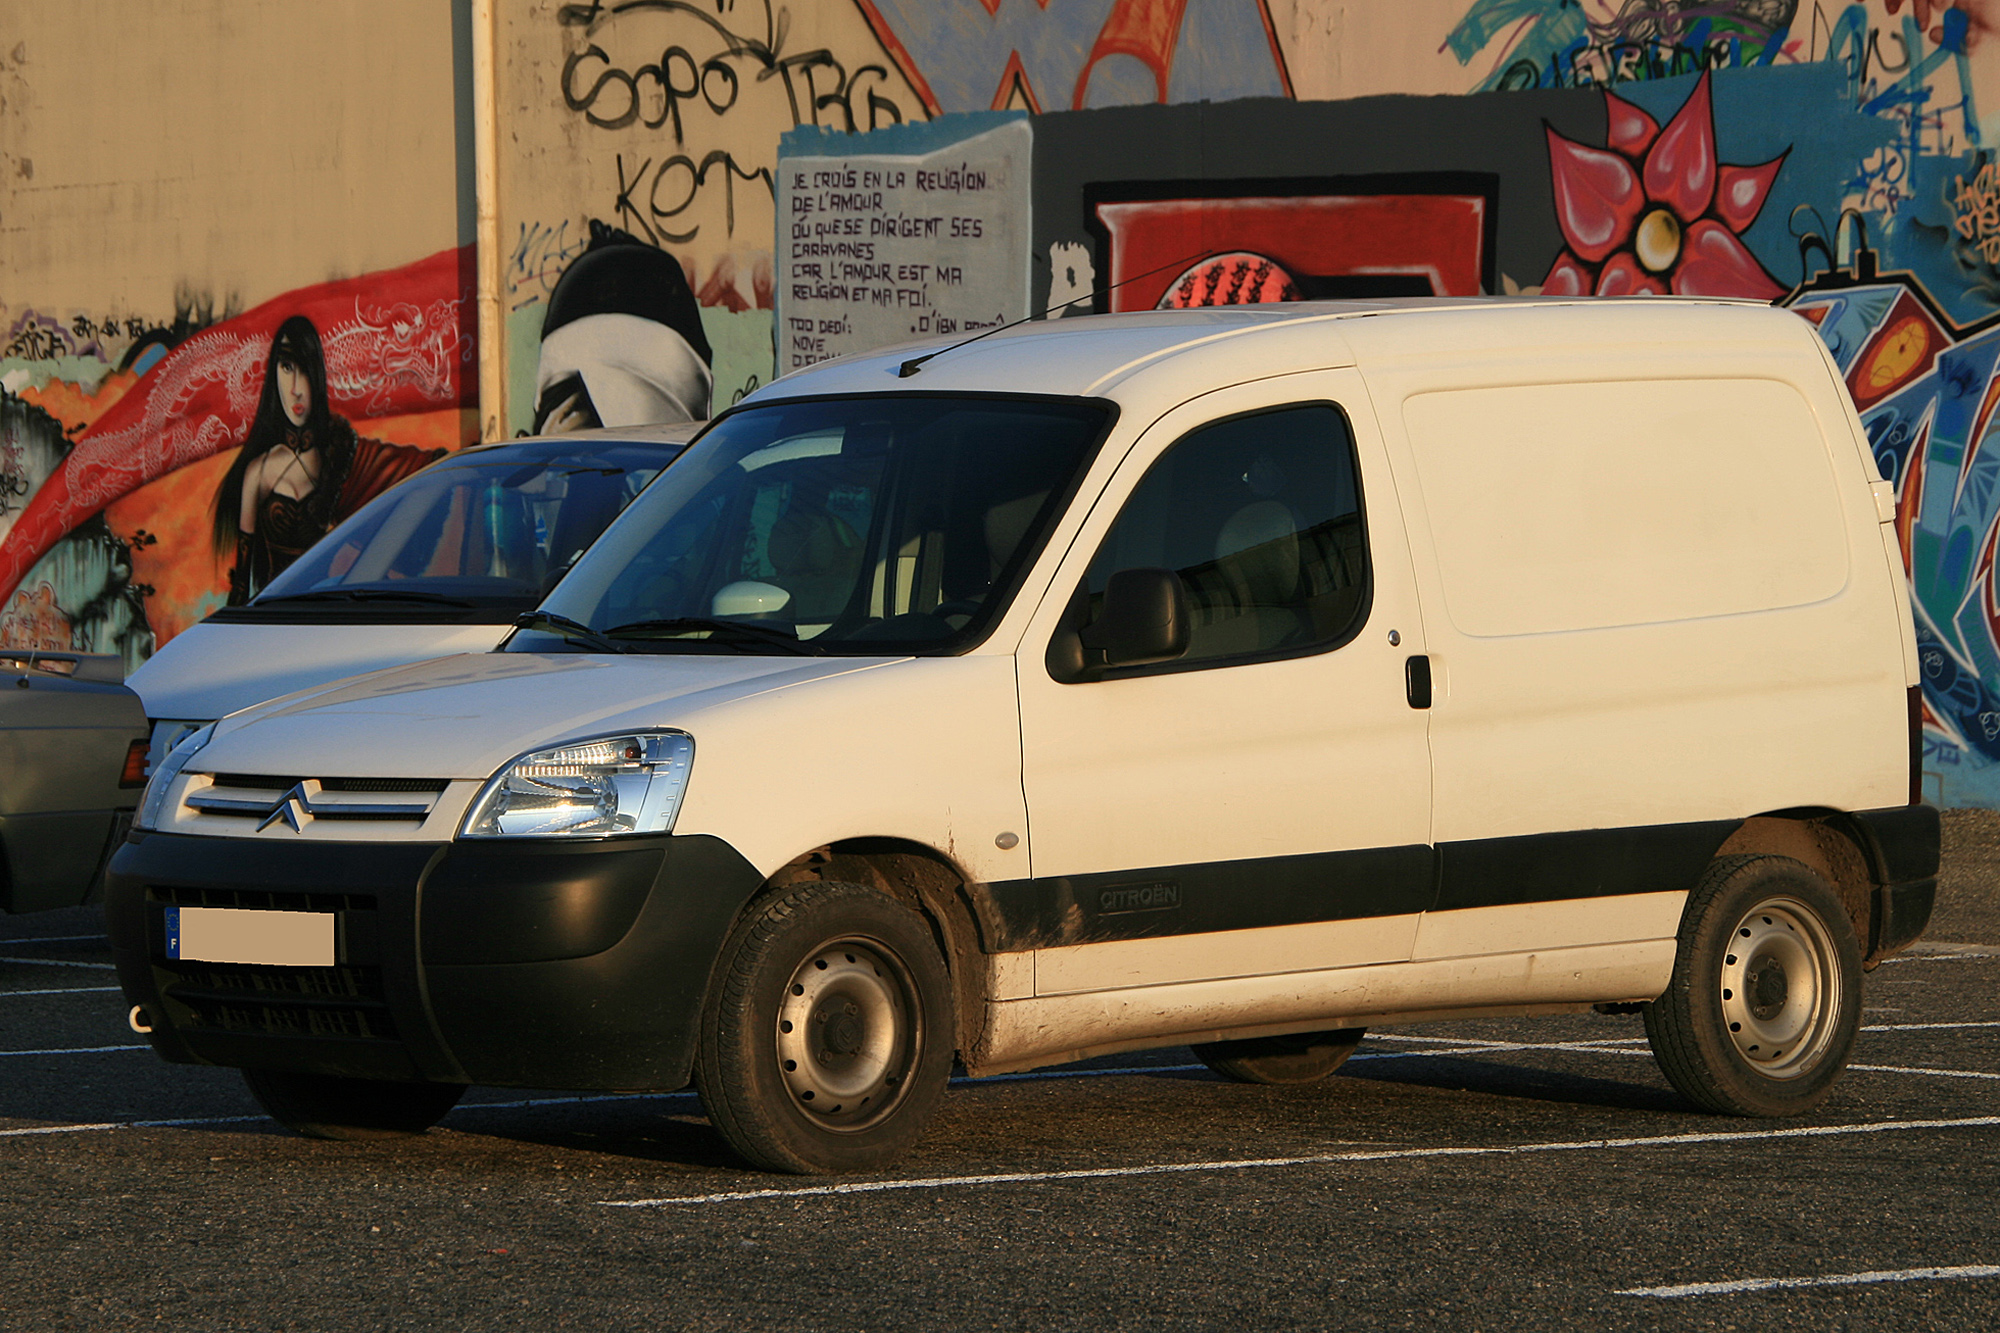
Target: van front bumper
512 962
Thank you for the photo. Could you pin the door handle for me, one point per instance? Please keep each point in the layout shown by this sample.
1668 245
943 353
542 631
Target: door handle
1417 680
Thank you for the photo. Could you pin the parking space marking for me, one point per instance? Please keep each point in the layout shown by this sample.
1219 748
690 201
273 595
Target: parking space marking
1938 957
1318 1159
65 990
1926 1027
198 1121
62 1129
528 1102
78 1050
58 962
1935 1073
1828 1280
54 939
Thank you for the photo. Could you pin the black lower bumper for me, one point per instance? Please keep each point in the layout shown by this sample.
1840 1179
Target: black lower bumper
510 962
1906 846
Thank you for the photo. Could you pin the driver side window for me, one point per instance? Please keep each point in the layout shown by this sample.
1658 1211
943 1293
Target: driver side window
1261 518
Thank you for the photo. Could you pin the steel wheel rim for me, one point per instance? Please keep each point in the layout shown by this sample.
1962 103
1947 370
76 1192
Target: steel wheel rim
849 1031
1779 989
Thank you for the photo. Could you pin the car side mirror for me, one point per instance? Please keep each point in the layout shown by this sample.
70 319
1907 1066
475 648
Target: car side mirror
1144 619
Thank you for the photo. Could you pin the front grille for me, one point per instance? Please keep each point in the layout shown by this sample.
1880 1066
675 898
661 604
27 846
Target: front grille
343 1001
261 782
264 899
267 799
280 1001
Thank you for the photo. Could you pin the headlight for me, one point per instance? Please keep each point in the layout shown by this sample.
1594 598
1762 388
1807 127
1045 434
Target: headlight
595 788
164 774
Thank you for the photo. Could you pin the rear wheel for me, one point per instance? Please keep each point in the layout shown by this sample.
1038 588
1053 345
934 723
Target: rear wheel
828 1043
1289 1061
323 1106
1765 1001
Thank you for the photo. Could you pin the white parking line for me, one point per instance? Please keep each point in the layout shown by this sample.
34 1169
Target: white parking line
197 1121
1322 1159
1939 957
1935 1073
54 939
57 962
1829 1280
77 1050
64 990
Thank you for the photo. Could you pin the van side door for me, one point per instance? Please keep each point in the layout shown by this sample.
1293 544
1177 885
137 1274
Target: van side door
1260 804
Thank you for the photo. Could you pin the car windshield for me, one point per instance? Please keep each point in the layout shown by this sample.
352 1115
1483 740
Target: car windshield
880 525
493 529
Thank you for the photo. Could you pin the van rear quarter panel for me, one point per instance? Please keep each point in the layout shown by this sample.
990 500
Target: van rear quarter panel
1715 696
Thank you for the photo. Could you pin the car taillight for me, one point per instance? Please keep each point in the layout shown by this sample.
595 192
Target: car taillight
1916 745
135 765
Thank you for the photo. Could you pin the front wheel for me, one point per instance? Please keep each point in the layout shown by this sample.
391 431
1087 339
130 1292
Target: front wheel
1765 1001
828 1043
324 1106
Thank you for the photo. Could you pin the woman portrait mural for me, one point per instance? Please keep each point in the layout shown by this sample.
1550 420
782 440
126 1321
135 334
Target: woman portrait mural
301 469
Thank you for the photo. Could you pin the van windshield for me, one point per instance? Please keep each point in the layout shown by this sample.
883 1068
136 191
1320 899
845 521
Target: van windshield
488 533
883 525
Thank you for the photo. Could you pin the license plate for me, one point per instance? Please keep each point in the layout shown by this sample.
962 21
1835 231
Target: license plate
244 935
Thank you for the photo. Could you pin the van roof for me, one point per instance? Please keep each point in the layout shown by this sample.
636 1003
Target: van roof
1092 355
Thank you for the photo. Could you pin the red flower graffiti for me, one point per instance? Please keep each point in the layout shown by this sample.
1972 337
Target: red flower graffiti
1655 212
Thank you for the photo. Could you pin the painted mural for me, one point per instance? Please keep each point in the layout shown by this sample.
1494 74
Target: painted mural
153 473
1668 149
697 195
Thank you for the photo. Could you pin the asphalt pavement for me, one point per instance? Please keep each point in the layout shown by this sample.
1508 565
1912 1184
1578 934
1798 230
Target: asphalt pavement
1530 1174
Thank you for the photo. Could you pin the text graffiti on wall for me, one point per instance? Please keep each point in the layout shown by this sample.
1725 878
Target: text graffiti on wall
1560 46
681 68
1917 73
1976 210
538 259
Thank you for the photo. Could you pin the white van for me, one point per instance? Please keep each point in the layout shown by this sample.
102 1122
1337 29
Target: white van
1241 678
441 563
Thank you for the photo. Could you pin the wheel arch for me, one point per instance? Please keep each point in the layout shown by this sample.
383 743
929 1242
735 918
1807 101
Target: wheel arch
1834 844
922 878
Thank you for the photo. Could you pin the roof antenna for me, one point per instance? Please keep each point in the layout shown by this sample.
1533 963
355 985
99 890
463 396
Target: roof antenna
916 363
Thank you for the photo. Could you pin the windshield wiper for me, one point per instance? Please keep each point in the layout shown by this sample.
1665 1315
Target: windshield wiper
723 631
568 629
366 595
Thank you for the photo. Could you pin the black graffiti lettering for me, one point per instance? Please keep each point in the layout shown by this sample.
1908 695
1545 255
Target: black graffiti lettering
613 94
717 71
625 208
587 104
679 162
674 58
673 187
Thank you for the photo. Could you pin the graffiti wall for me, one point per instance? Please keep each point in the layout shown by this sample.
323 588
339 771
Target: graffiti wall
1828 157
693 196
234 298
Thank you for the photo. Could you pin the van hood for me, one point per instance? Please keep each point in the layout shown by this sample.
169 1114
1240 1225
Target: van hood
463 717
212 669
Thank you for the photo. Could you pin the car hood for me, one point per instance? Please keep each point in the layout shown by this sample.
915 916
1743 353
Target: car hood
463 717
210 670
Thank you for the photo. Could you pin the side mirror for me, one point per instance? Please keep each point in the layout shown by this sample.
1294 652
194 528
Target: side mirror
1144 619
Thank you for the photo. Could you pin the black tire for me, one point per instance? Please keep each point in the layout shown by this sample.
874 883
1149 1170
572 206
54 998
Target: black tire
1765 1001
827 1044
355 1110
1288 1062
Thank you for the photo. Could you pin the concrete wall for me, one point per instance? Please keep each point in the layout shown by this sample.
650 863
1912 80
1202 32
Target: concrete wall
181 177
175 180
